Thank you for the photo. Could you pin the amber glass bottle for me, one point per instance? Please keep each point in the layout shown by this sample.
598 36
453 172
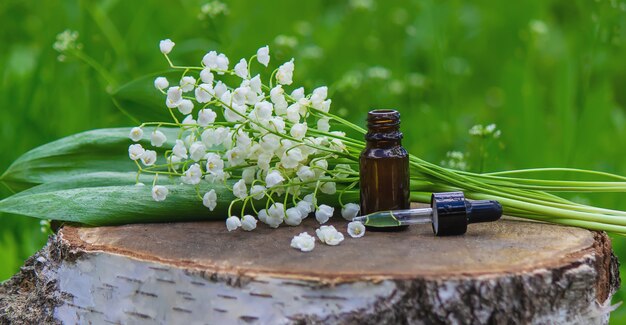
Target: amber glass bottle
384 165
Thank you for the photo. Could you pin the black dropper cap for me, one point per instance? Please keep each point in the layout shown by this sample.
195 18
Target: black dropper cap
452 212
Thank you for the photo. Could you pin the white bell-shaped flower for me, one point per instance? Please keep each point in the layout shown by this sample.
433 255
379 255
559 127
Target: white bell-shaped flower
304 242
356 229
209 199
161 83
166 46
284 75
241 69
187 83
136 134
240 190
350 210
149 157
135 151
248 223
329 235
263 55
157 138
159 193
323 213
232 223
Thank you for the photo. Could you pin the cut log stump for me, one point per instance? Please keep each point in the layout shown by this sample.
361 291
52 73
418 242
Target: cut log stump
507 272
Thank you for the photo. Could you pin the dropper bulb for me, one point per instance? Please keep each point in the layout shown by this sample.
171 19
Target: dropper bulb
483 211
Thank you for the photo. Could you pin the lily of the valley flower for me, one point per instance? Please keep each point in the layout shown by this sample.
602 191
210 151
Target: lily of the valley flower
193 175
293 216
166 46
285 73
185 107
159 193
135 151
157 138
241 69
350 210
273 178
329 235
149 157
161 83
356 229
232 223
248 223
136 134
304 242
323 213
187 83
240 190
275 215
209 199
263 55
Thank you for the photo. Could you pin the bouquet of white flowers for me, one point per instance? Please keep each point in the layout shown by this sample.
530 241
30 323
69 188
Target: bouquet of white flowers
239 148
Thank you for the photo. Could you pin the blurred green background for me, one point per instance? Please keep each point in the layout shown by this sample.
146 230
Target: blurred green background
551 75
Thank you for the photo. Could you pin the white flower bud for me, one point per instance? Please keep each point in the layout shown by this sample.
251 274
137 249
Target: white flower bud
323 124
350 211
206 117
157 138
174 97
206 76
197 150
209 199
256 85
187 83
273 178
248 223
241 69
180 150
275 215
329 188
323 213
305 208
293 217
204 93
166 46
284 75
185 107
263 55
161 83
298 130
298 93
240 190
232 223
257 192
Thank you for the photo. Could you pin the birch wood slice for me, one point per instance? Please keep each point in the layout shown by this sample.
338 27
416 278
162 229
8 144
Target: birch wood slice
505 272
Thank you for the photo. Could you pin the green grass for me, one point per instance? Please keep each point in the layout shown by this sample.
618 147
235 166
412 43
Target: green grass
550 74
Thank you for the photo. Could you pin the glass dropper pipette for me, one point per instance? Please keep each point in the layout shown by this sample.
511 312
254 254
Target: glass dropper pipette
450 213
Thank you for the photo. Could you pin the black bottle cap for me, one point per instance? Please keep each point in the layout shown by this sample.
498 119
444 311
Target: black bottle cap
449 213
452 212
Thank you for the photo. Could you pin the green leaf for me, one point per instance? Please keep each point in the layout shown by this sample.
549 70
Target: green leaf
103 150
112 198
141 100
